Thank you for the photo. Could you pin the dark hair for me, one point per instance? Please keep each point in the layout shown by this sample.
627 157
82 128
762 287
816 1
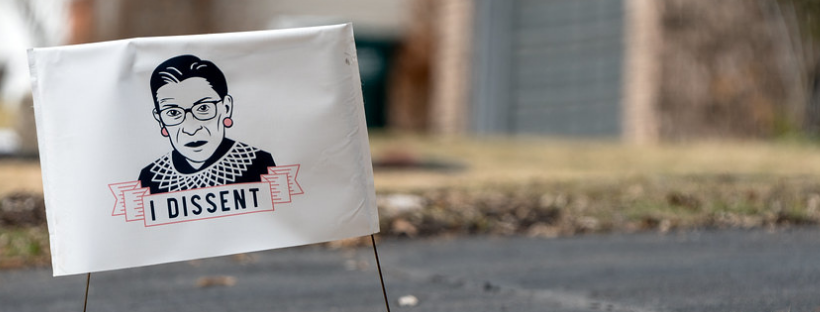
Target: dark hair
179 68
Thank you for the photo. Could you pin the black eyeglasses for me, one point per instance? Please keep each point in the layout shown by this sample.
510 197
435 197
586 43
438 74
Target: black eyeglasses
173 116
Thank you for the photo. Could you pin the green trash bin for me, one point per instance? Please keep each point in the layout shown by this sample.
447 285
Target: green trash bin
375 57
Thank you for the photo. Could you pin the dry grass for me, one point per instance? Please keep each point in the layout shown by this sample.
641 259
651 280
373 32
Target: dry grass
20 176
505 161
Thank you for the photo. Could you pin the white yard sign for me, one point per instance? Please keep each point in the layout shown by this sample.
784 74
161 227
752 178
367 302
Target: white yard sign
166 149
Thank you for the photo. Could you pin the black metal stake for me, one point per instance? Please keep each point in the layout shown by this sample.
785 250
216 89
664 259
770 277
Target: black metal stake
87 282
379 266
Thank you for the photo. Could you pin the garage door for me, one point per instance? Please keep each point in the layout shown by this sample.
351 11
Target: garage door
548 67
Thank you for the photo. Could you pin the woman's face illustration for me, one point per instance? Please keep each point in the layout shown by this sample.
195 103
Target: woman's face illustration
193 113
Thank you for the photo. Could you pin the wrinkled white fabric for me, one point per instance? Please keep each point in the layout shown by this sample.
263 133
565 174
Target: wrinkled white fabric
296 94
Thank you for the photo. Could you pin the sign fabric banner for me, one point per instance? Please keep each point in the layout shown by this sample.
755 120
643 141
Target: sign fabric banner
164 149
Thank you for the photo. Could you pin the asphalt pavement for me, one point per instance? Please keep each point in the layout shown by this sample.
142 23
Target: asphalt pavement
726 270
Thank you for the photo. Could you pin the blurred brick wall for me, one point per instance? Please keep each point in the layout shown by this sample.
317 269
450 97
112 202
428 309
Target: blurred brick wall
429 88
451 64
642 71
164 18
99 20
81 19
409 82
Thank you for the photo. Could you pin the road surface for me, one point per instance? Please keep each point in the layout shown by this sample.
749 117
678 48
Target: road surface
729 270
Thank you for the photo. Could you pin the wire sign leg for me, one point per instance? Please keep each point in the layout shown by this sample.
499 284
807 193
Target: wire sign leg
87 282
379 266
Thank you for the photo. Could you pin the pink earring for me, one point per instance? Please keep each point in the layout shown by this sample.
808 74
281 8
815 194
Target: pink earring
228 122
164 132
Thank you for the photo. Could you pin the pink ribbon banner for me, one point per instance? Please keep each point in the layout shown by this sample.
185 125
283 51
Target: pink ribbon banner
136 203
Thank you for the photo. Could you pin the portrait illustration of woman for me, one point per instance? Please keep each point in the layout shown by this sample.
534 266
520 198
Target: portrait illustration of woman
193 109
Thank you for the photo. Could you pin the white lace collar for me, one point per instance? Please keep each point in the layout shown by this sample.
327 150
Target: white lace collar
224 171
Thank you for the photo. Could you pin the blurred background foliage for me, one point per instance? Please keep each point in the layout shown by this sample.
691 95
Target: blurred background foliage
806 14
